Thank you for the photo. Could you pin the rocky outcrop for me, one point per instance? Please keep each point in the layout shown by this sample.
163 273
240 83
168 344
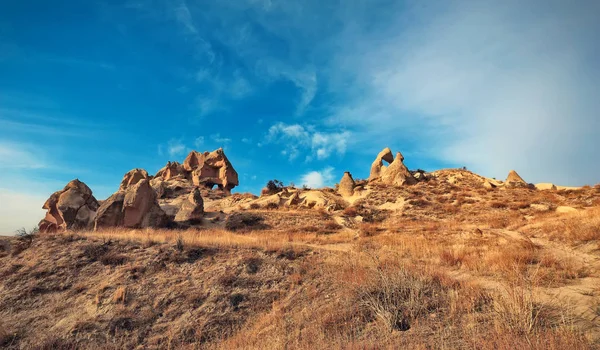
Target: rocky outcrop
74 207
545 186
211 168
346 186
397 173
132 177
378 167
134 207
192 209
171 170
514 180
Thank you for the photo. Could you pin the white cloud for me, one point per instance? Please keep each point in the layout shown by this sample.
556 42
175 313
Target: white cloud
324 144
318 179
219 139
295 138
175 147
22 210
481 84
199 142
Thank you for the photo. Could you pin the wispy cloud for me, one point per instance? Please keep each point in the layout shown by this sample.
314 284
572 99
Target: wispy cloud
318 179
21 156
220 140
199 142
483 84
296 139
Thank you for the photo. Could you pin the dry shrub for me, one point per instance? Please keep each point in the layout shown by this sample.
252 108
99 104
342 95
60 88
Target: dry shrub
244 222
553 269
6 337
511 259
368 229
272 206
331 226
113 259
399 295
498 205
419 203
252 264
580 227
350 212
452 257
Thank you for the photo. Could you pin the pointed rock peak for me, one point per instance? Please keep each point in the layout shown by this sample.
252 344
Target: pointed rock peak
399 156
132 177
514 177
346 186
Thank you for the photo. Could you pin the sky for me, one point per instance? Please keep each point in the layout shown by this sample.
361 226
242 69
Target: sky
299 91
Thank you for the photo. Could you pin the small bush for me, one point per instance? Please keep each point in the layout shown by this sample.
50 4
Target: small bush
332 226
350 212
272 206
252 264
498 205
368 230
398 296
245 221
274 186
113 259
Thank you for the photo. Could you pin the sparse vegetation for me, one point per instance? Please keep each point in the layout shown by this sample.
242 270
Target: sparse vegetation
430 266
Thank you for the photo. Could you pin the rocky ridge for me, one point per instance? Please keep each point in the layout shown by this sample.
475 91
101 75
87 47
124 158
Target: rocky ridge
198 192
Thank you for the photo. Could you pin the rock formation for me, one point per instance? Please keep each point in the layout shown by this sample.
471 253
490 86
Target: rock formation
397 173
74 207
378 167
192 209
346 187
210 169
171 170
134 207
545 186
132 177
514 180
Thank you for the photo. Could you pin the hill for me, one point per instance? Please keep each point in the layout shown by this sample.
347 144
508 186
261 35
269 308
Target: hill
406 259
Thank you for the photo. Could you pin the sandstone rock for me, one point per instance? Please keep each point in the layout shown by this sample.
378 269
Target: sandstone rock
209 169
293 200
74 207
110 213
397 173
134 207
321 200
488 185
192 209
346 187
539 207
514 180
171 170
545 186
377 167
565 209
132 177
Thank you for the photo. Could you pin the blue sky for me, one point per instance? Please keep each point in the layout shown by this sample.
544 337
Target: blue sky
300 91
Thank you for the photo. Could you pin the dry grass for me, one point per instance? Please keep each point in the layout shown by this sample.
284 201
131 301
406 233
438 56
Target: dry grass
458 267
575 228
